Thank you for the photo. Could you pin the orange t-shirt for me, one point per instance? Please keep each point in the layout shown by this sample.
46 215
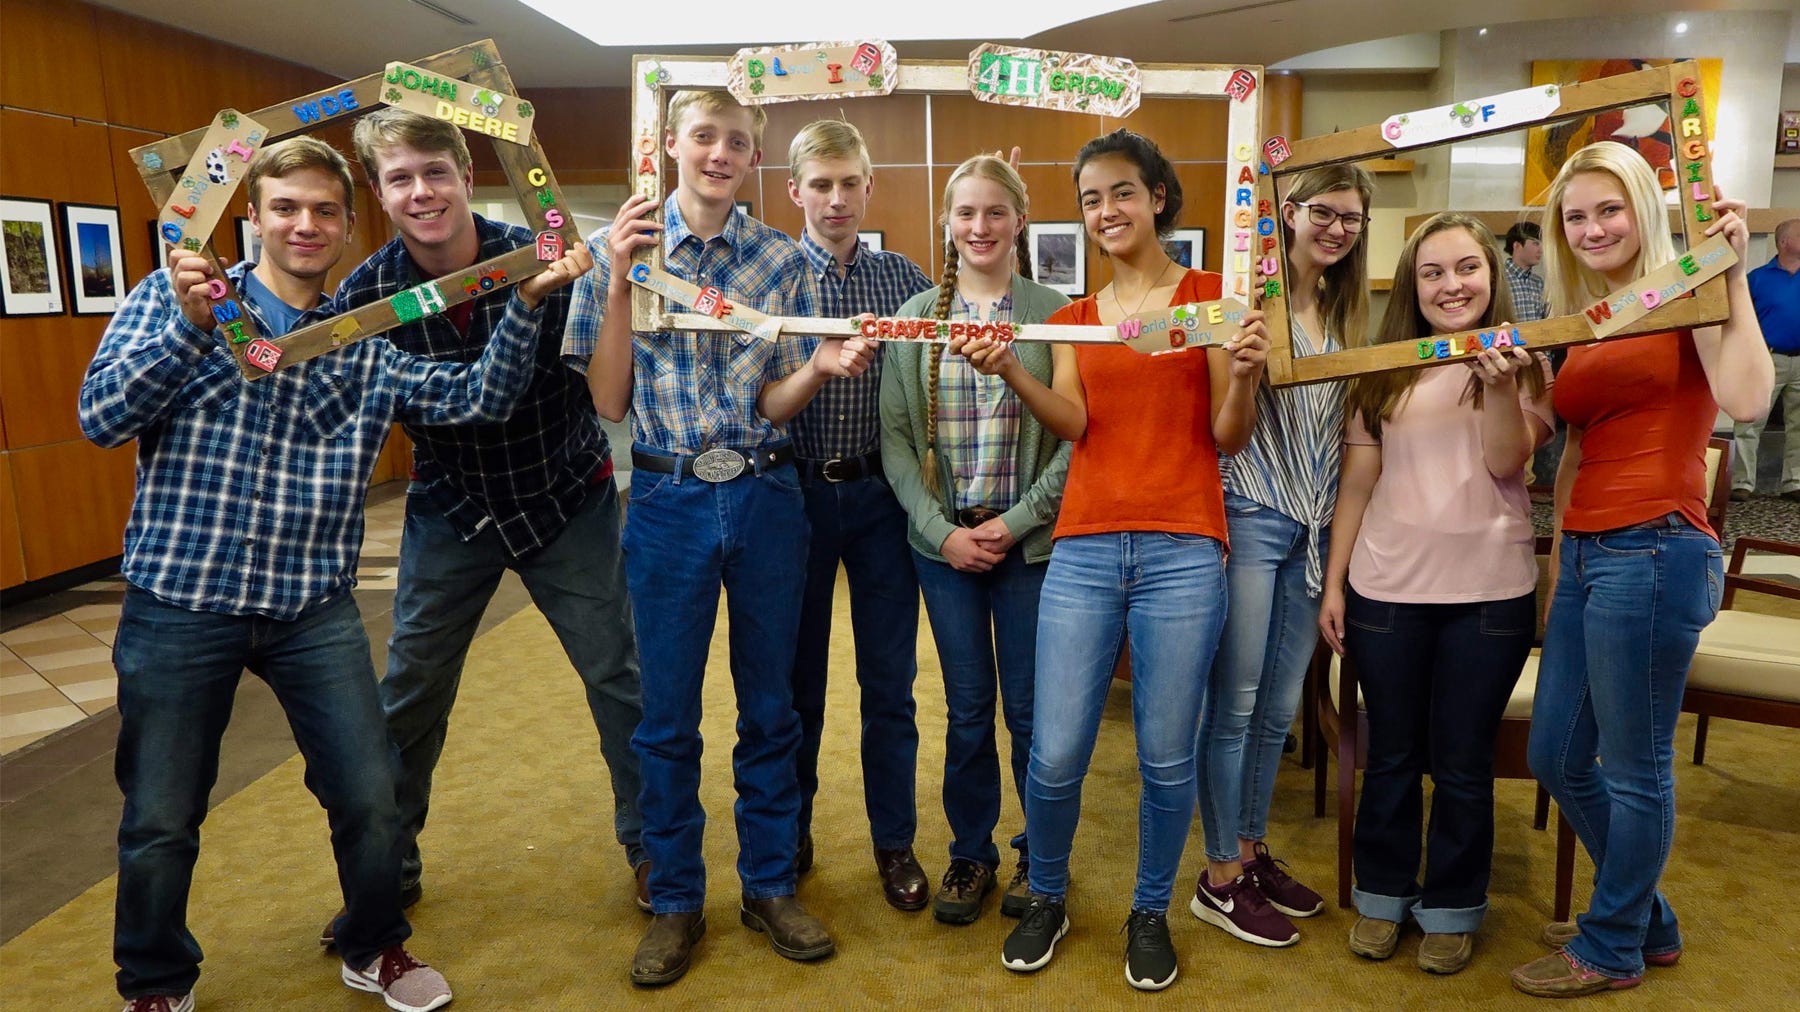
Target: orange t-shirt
1646 412
1147 461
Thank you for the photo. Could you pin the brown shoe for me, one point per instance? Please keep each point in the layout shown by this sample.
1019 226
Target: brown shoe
1446 952
1559 976
409 898
1018 892
966 884
903 882
792 931
1558 934
643 886
662 957
803 855
1374 938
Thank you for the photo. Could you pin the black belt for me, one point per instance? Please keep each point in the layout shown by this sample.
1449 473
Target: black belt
840 469
716 465
975 516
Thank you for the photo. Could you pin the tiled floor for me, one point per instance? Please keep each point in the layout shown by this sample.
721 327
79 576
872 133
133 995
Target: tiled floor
57 671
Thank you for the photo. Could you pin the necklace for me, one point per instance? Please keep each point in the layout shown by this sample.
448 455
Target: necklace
1146 296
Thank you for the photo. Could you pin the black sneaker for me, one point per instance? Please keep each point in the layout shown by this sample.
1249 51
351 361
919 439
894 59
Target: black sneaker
1033 942
1149 955
1018 892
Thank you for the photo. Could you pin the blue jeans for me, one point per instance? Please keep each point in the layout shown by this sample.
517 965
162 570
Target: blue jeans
1435 678
178 675
985 625
577 582
861 523
1270 631
1166 592
1626 618
683 539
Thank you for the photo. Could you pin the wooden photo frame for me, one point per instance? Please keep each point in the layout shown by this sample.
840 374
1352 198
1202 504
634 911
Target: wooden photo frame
30 280
655 78
468 85
1691 305
1187 247
1058 255
94 258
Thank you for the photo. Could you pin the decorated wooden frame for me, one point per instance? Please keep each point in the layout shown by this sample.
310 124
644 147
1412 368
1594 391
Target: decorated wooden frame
193 177
1686 293
656 78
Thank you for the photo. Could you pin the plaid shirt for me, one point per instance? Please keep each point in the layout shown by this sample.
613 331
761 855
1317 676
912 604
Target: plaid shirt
1527 293
844 420
250 495
978 423
527 474
694 390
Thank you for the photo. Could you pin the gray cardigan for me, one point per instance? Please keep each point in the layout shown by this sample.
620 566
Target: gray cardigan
1043 460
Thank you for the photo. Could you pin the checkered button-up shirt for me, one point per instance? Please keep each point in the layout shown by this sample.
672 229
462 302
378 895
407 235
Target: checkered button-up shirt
978 423
250 495
844 420
1527 293
693 390
529 473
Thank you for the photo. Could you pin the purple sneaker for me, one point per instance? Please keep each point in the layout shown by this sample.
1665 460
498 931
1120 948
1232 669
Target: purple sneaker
1241 910
1278 887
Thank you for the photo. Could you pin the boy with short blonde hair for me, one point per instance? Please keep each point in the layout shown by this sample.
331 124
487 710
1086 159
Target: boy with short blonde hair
714 499
854 516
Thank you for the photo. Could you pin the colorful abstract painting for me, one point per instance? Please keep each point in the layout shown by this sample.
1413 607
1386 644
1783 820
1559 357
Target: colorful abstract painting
1646 127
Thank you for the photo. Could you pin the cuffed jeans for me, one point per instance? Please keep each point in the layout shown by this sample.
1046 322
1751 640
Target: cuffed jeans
684 538
178 676
1166 592
577 581
1257 677
985 625
1435 680
861 523
1624 624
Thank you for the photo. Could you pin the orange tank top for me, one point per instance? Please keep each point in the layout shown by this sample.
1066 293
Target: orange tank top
1147 461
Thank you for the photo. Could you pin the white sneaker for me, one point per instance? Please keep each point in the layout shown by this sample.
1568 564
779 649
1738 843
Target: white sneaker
405 983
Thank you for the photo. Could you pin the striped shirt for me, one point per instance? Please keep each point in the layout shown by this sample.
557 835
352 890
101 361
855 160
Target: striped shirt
978 423
250 495
694 390
526 475
844 419
1291 462
1527 293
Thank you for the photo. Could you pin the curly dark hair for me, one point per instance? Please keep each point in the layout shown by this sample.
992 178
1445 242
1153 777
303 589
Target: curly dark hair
1152 166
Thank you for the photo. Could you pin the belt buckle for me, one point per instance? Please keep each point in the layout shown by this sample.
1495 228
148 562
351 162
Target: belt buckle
719 464
830 470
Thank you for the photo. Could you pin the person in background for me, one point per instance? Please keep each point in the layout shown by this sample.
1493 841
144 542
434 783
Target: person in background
1775 292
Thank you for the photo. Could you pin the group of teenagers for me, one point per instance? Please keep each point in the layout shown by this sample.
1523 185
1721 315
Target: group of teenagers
1052 505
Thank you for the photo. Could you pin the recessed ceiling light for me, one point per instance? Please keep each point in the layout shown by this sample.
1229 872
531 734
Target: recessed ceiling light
1482 32
1681 28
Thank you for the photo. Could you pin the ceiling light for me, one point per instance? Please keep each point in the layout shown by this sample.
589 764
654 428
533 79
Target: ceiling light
1481 32
749 24
1681 28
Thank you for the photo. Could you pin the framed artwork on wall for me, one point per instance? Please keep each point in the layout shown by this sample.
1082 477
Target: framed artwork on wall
1187 247
1059 255
747 207
249 243
96 262
30 284
871 239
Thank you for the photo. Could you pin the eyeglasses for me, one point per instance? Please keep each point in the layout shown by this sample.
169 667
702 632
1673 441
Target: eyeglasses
1323 216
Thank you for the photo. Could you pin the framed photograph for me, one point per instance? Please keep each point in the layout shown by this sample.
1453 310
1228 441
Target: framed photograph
249 243
1059 255
30 284
1187 247
871 239
96 261
747 207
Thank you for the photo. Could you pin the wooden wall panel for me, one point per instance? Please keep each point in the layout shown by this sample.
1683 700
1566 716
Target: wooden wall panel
73 500
892 127
12 550
52 60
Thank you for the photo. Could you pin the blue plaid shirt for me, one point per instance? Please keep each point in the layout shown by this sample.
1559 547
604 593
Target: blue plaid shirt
250 495
527 474
694 390
1527 292
844 420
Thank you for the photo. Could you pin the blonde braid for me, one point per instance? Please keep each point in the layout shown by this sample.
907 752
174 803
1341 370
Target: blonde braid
946 292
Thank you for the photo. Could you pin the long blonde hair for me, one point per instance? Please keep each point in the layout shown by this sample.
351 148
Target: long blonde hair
1568 284
1377 396
1344 287
996 170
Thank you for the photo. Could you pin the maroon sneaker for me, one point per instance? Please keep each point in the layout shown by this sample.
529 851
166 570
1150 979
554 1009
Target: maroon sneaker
1239 908
1280 888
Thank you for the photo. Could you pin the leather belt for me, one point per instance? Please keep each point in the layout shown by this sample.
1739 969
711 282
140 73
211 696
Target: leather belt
719 464
975 516
839 469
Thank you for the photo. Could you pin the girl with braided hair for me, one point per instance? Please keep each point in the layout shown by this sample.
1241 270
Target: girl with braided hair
981 482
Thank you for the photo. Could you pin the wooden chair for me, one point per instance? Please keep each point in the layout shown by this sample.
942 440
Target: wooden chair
1748 664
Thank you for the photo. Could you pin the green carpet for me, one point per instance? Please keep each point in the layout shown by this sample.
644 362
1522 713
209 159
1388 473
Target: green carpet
528 900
